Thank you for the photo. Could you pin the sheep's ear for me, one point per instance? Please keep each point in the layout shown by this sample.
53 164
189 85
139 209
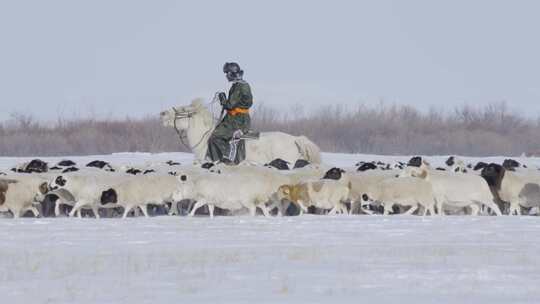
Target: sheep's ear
44 188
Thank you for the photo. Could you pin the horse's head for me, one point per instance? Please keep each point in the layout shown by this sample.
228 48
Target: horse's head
179 116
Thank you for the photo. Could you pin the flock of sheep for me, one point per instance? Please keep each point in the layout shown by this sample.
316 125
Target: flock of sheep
102 190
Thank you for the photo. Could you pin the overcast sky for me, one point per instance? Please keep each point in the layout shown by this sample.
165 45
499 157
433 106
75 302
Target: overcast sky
118 58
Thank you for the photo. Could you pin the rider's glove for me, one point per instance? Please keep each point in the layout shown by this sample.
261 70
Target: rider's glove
222 98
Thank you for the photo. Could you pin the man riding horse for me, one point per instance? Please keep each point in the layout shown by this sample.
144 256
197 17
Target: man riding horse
226 144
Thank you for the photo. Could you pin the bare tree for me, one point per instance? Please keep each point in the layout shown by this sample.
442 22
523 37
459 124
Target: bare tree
380 129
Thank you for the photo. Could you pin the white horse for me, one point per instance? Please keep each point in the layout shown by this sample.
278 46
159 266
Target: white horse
195 123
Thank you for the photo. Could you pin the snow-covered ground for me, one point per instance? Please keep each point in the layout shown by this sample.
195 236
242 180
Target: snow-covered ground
332 159
307 259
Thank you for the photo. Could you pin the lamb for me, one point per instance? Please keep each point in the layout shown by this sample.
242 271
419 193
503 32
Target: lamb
513 187
405 191
19 195
454 189
324 194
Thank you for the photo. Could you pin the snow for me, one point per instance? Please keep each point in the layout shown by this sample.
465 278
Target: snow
332 159
243 259
308 259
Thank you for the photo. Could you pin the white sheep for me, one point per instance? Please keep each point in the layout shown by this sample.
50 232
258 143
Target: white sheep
521 188
143 190
20 193
87 190
456 189
363 183
404 191
272 176
228 191
327 194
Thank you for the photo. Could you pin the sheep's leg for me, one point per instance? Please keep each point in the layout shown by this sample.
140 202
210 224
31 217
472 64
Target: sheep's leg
16 213
333 211
303 208
264 210
252 210
514 208
95 209
211 210
127 209
474 209
32 209
191 205
440 207
273 205
425 211
363 208
431 210
76 208
353 205
343 209
197 205
411 210
387 209
494 207
174 209
279 207
144 209
57 209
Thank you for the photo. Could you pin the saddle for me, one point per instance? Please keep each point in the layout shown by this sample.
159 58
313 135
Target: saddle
250 135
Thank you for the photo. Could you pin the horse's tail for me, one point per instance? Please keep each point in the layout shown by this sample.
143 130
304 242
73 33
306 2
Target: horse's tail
308 149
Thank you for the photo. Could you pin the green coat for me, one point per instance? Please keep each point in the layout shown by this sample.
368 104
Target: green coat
220 146
239 96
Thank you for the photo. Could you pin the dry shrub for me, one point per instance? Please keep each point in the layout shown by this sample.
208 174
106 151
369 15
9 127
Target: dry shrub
380 129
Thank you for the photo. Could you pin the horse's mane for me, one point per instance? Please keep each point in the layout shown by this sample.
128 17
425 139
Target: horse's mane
199 107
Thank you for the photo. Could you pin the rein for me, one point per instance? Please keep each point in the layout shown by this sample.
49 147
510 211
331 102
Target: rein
188 115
